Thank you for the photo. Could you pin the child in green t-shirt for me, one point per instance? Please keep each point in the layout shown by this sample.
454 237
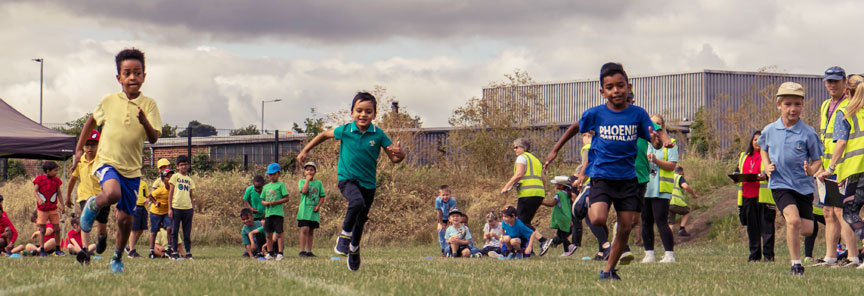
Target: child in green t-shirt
561 216
308 215
274 195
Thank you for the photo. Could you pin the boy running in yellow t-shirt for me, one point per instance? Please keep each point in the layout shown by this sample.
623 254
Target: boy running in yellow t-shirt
127 119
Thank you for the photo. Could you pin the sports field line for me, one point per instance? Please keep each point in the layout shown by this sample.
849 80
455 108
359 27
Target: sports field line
55 281
317 283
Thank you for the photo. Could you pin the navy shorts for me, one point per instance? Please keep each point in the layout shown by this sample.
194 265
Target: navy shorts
128 187
307 223
624 195
159 221
139 221
788 197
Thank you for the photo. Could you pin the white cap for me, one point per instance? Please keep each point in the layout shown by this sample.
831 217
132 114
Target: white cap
560 180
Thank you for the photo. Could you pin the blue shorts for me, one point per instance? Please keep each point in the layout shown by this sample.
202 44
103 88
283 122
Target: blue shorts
139 222
159 221
128 187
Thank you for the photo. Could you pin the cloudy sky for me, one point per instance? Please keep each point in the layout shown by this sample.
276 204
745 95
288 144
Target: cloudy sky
215 60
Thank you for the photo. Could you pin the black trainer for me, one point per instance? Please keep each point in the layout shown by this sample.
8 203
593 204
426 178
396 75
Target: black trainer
83 257
101 244
302 254
797 269
611 275
354 260
341 247
310 255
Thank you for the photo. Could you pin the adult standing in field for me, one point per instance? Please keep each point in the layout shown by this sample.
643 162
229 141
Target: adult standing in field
849 153
757 203
835 227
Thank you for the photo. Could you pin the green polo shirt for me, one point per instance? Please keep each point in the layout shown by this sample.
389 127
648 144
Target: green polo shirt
358 153
642 170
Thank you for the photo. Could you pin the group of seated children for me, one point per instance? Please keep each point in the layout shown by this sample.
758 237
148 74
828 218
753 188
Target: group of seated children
507 239
263 217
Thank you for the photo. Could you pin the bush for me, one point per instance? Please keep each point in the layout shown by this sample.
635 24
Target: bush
15 169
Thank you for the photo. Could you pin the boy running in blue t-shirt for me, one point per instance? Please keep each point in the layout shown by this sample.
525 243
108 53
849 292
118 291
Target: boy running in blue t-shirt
361 144
791 154
617 125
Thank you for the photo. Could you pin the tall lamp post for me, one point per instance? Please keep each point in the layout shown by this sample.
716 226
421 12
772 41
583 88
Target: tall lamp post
41 67
262 112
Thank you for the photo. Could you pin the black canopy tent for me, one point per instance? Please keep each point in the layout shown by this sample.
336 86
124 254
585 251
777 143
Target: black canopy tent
21 137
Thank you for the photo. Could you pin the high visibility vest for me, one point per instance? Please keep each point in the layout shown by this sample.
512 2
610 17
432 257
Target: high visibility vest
585 147
667 177
765 195
531 183
853 156
677 194
826 131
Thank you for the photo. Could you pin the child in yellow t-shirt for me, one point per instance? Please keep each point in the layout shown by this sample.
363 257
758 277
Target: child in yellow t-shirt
127 119
159 219
181 188
88 187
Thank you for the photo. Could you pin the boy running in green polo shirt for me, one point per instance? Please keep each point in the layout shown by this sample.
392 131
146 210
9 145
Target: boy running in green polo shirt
361 144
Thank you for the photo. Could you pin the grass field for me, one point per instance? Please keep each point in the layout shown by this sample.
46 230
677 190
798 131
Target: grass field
701 270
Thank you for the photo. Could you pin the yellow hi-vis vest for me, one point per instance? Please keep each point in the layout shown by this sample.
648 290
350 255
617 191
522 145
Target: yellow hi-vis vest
826 130
585 147
677 194
765 195
531 183
853 156
667 178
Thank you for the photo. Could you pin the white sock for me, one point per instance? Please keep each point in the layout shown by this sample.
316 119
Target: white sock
345 233
670 254
353 248
649 253
855 260
830 260
799 261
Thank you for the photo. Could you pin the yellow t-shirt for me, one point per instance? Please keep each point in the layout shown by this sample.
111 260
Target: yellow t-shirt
88 183
158 183
162 238
143 192
122 140
161 196
183 186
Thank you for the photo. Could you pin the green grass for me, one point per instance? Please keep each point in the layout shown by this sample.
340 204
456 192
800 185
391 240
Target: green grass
701 270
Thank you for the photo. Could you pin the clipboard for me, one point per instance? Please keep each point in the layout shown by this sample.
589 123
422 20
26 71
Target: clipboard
827 188
738 178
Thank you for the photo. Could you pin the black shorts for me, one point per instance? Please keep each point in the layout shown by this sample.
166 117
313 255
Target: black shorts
102 216
139 221
623 194
274 224
307 223
788 197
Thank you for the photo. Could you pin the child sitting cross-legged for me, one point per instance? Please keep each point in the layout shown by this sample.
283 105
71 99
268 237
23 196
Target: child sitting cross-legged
458 236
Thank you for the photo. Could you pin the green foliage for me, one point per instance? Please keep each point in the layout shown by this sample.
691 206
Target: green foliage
244 131
313 125
726 230
201 163
199 130
702 139
74 127
15 169
169 131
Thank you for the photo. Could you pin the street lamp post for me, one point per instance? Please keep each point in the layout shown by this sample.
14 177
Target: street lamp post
262 112
41 68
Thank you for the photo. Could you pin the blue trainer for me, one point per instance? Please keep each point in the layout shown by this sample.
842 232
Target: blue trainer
88 215
612 275
116 266
341 247
519 255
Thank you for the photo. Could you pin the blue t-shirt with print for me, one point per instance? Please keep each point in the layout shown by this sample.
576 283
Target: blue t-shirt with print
788 149
445 207
613 148
518 230
841 127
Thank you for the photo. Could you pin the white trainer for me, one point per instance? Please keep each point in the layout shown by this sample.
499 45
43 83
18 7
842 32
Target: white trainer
667 259
649 259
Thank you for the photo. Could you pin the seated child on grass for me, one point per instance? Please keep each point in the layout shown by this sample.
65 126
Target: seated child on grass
50 244
458 236
492 235
161 246
252 234
72 242
518 239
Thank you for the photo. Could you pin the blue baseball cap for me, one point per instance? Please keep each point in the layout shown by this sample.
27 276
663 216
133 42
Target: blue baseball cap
273 168
834 73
